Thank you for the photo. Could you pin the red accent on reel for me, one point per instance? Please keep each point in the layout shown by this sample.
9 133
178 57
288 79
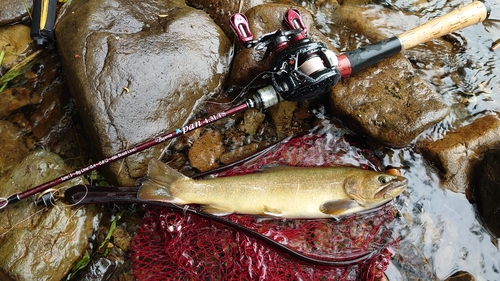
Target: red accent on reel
344 66
293 19
239 24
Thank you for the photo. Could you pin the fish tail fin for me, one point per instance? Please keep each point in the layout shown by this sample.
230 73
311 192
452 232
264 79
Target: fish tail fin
157 186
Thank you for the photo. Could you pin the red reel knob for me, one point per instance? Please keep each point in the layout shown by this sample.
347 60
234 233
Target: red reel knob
293 19
239 24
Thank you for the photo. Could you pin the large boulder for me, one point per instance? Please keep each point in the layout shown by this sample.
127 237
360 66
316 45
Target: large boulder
36 243
388 101
457 153
137 70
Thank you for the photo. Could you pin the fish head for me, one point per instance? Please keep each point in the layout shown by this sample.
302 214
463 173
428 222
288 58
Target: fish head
370 188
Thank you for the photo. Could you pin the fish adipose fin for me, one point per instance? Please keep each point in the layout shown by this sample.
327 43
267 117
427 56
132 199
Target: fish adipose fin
160 177
337 207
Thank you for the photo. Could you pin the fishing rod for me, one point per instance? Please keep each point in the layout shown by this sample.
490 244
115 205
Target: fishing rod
300 70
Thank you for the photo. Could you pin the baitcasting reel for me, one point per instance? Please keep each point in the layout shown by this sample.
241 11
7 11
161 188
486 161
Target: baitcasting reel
301 69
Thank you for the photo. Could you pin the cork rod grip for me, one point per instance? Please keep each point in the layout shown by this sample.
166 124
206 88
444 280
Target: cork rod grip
465 16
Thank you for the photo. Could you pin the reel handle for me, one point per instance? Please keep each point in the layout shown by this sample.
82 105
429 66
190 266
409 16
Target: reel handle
354 61
465 16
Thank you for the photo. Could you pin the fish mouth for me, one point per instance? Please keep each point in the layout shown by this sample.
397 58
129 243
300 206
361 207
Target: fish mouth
398 185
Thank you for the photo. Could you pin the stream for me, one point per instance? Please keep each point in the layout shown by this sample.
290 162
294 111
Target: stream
441 224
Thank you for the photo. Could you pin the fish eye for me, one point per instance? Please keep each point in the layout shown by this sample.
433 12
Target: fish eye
384 179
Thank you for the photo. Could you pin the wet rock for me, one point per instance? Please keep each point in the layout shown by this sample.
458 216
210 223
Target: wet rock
73 147
5 277
101 268
412 263
13 147
388 101
457 153
392 109
12 99
37 101
13 11
234 138
121 238
281 117
239 153
206 150
486 192
39 244
252 120
17 43
137 69
53 115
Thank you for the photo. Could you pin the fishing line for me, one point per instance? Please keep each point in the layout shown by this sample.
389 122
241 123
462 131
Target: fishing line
241 6
245 89
457 214
23 220
47 197
122 164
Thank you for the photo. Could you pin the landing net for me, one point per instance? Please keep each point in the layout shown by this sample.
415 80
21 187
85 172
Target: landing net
175 245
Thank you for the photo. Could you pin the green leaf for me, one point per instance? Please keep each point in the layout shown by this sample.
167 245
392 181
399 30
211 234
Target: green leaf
112 228
85 260
2 55
81 264
18 69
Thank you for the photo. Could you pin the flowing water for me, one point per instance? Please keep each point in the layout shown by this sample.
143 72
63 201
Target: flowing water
441 232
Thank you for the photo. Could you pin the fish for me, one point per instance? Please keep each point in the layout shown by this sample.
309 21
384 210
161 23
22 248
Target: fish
279 192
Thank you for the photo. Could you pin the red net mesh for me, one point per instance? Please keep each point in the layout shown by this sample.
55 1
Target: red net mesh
175 245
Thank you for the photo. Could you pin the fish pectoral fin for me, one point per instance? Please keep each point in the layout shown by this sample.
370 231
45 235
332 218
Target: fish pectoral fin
269 211
337 207
216 210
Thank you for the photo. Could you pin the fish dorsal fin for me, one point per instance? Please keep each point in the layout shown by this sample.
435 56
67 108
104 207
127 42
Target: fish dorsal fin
337 207
162 173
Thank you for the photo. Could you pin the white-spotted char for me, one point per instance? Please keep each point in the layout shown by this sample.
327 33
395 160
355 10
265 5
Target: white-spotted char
284 192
